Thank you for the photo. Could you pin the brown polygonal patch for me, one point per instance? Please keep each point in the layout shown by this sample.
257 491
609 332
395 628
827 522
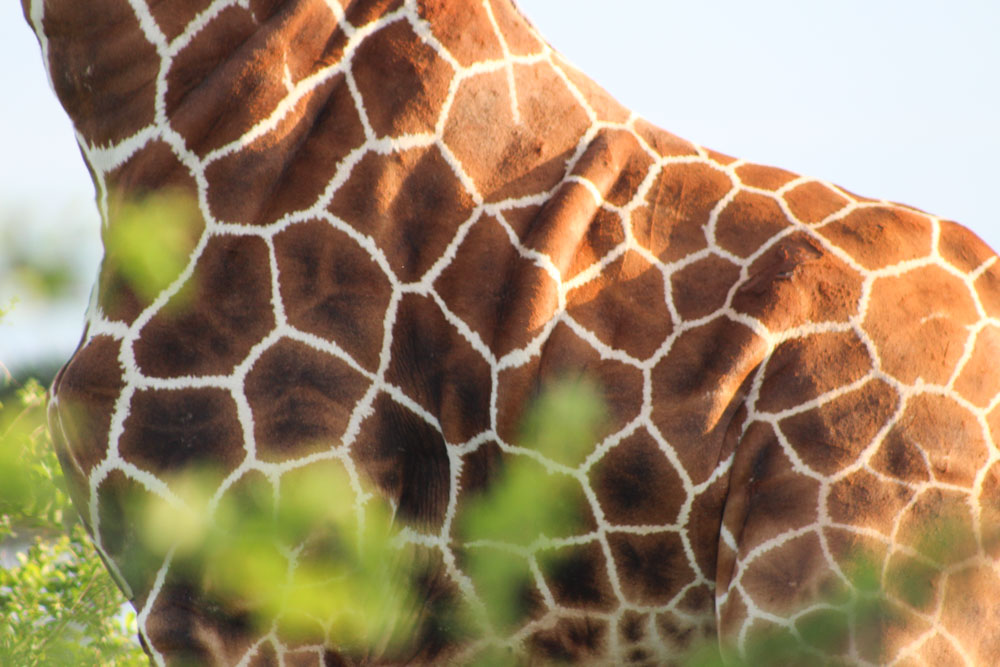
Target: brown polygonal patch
332 288
973 384
760 176
605 233
410 202
362 13
502 296
663 142
697 387
680 200
301 400
877 237
87 390
101 47
920 315
814 202
407 459
636 485
802 369
479 470
172 18
565 356
232 76
578 577
700 289
766 490
506 160
833 435
653 569
563 221
797 281
624 306
988 290
788 577
288 168
403 81
703 525
122 503
437 368
961 248
200 333
949 437
571 640
901 458
169 431
747 222
464 30
866 501
616 165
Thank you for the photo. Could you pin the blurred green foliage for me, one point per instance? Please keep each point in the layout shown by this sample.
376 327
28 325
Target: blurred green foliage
58 604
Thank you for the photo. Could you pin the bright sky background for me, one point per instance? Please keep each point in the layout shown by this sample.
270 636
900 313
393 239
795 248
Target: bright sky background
888 98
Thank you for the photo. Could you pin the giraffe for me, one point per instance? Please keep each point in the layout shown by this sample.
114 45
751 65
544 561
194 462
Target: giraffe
409 215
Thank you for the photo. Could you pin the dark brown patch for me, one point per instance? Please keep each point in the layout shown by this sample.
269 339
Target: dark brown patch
289 168
604 106
571 640
231 76
877 237
87 390
410 202
301 400
747 222
171 431
636 485
173 17
200 333
122 503
407 459
624 306
402 81
834 434
101 48
653 569
814 202
577 577
507 299
437 368
332 288
918 322
803 369
700 289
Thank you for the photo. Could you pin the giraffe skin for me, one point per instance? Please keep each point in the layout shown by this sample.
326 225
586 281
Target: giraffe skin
412 214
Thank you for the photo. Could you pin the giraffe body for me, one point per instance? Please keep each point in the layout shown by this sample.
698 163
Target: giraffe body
410 216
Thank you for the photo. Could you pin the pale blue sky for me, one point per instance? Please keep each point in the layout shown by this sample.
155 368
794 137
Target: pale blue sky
889 98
